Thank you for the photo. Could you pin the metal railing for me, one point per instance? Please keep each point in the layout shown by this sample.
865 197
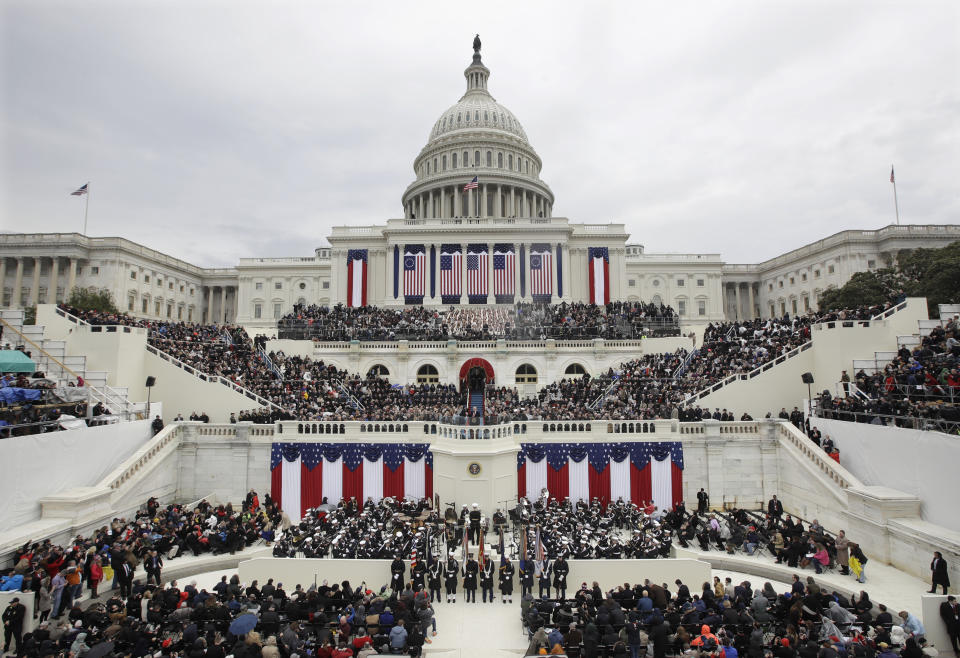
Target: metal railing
909 422
682 368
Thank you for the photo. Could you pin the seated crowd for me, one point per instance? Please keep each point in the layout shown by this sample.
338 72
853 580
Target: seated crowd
919 388
523 321
653 386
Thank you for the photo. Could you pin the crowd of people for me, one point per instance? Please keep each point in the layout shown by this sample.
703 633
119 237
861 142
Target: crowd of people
919 388
522 321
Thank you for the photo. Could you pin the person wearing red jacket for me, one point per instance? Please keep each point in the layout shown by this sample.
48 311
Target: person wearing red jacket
96 576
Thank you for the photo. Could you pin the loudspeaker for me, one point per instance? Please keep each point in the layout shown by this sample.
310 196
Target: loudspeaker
807 378
153 380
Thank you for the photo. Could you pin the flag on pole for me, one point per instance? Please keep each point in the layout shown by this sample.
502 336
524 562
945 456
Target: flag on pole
80 192
503 552
523 549
481 553
472 185
892 179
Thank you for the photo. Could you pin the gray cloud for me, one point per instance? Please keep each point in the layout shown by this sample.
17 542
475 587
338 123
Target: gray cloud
222 130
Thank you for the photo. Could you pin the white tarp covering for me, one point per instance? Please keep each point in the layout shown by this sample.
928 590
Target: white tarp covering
45 464
913 461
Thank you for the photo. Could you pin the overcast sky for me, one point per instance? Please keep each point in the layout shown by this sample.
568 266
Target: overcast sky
219 130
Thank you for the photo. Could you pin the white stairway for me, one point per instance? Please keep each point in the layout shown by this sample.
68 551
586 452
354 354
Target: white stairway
884 358
51 359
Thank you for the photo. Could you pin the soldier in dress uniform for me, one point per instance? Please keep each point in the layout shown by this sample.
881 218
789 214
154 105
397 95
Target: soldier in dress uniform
418 573
506 580
451 574
434 577
545 571
397 567
475 516
560 571
469 573
486 579
526 576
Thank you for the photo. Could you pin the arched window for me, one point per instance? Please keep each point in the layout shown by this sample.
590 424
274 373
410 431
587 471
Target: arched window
379 370
435 170
489 159
428 375
466 158
458 118
444 161
476 158
510 162
453 161
526 374
500 160
476 115
575 369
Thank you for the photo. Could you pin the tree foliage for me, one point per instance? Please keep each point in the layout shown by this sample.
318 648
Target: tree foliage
930 273
86 300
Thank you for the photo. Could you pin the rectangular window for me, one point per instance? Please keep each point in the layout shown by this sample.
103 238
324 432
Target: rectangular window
169 310
770 287
632 283
146 278
190 314
182 288
699 283
259 285
143 306
701 308
95 270
803 277
191 292
278 285
180 313
871 264
791 281
170 285
326 285
680 282
829 269
277 313
257 311
681 307
816 274
133 275
156 309
779 284
130 302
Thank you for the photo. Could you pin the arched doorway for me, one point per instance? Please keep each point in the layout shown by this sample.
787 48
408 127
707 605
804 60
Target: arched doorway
475 374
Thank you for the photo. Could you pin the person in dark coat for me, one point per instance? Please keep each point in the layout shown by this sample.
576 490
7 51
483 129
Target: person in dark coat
13 616
469 572
660 636
950 614
506 580
939 575
560 571
486 579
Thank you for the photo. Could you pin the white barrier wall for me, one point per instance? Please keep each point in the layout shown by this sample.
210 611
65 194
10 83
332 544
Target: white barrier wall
42 465
376 573
918 462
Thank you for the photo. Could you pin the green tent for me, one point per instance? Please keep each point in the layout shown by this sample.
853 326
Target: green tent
16 361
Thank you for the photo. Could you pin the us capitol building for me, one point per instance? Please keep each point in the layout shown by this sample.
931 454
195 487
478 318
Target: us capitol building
477 229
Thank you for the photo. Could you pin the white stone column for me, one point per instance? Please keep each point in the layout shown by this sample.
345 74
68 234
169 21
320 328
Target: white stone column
52 286
516 273
71 277
470 203
336 295
3 276
431 210
35 287
752 313
553 273
222 312
513 205
15 298
736 300
567 272
496 203
483 201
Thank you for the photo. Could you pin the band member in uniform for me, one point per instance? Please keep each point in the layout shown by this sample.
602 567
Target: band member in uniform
469 572
486 579
546 569
475 523
451 574
396 574
560 571
506 580
434 576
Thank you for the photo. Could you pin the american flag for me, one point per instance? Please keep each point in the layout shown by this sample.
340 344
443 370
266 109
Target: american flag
451 272
477 275
472 185
541 272
504 270
414 271
84 190
538 547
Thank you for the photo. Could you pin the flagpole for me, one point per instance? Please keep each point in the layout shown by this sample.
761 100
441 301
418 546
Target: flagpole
86 209
896 204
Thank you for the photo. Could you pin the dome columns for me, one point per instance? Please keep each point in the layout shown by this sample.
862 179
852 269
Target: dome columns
489 200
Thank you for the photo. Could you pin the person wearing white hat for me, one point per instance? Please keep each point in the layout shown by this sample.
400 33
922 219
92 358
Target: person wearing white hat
451 574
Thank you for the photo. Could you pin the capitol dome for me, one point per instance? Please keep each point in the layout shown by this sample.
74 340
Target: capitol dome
477 137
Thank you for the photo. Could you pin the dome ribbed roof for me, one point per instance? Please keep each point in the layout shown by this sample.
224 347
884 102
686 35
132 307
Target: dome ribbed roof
477 110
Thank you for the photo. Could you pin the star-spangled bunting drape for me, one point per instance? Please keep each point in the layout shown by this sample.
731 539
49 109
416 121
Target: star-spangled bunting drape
303 474
598 272
635 471
504 271
477 273
357 277
414 273
451 273
541 273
